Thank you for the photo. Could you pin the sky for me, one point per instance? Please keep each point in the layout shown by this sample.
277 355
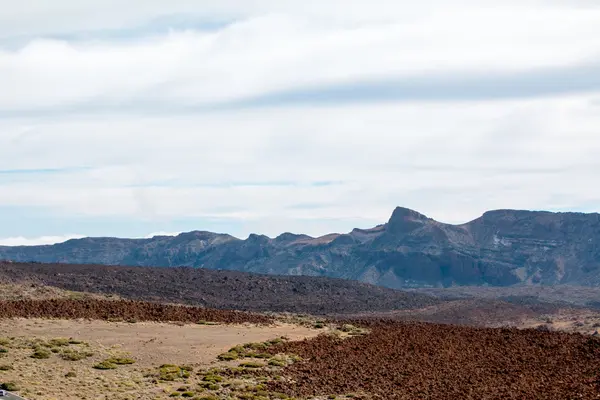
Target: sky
273 116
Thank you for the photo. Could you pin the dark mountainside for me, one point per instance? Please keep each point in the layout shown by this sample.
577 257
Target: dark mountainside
218 289
501 248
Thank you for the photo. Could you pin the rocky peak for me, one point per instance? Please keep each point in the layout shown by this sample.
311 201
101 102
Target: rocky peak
404 220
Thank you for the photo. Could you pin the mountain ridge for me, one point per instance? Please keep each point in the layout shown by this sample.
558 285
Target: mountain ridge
500 248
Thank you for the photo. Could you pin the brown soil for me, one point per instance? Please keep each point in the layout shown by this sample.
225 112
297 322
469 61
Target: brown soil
426 361
149 344
122 310
217 289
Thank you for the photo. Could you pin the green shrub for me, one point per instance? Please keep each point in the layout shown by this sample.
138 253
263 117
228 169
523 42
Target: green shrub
58 342
175 394
41 354
277 363
71 355
105 365
10 386
120 361
187 394
213 378
3 350
252 364
5 367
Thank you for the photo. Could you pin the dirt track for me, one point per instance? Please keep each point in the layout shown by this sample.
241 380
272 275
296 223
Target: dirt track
421 361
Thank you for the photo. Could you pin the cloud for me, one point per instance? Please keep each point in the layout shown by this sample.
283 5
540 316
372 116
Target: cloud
280 50
272 116
43 240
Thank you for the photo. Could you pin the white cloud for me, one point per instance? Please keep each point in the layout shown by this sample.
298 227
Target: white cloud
43 240
279 47
119 107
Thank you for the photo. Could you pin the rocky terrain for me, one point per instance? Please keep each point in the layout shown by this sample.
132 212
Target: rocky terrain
217 289
426 361
122 310
501 248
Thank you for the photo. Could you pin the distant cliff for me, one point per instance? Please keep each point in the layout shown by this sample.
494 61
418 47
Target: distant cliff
501 248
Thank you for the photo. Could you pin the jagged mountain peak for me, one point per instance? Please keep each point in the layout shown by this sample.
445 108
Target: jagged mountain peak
502 247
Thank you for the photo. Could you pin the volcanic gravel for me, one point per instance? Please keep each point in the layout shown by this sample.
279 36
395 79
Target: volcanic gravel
218 289
122 310
427 361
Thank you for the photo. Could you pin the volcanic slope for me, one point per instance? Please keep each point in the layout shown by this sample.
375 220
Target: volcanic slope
501 248
217 289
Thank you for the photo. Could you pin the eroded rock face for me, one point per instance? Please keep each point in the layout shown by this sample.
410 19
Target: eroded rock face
502 247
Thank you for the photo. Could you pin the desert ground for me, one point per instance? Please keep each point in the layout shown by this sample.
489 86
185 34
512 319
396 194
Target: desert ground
56 343
148 344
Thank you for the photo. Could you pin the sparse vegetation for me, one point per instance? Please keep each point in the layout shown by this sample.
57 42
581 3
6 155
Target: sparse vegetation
41 354
74 355
120 360
105 365
10 386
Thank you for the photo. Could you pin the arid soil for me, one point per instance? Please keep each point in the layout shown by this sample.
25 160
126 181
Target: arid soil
148 345
122 310
217 289
426 361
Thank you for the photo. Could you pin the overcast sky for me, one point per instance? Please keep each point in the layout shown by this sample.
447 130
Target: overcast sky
239 116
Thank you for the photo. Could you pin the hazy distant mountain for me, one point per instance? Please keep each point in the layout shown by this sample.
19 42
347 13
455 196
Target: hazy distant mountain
503 247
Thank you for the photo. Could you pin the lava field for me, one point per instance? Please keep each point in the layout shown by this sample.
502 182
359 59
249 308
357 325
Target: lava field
122 310
429 361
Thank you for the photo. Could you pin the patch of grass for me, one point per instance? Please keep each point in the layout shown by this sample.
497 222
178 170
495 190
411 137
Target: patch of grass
229 356
213 378
41 354
207 323
3 350
10 386
58 342
188 394
4 341
277 363
120 361
105 365
73 355
171 372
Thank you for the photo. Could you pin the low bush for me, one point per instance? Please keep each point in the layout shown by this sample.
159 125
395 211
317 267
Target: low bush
10 386
71 355
120 361
105 365
41 354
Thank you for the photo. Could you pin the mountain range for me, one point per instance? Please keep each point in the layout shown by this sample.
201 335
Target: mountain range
500 248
